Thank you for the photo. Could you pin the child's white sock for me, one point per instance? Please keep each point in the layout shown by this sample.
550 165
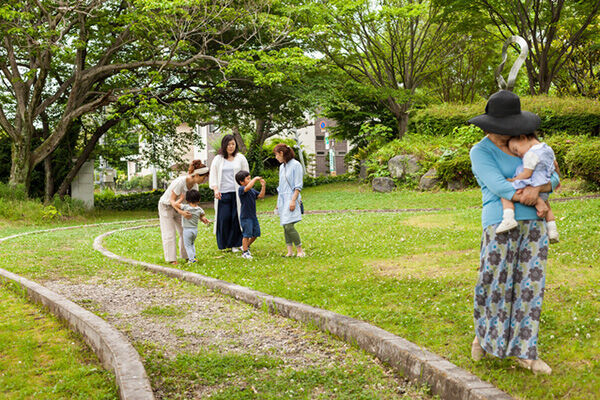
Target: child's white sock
551 225
508 214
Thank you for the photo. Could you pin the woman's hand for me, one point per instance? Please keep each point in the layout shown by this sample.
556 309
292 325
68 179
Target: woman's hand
186 214
292 205
529 195
217 194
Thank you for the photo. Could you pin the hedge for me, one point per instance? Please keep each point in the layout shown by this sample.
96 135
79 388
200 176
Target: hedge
149 200
583 160
571 115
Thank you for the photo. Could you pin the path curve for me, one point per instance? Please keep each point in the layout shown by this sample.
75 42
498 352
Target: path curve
110 345
419 365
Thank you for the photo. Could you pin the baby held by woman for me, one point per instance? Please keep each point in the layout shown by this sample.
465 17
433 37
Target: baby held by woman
538 165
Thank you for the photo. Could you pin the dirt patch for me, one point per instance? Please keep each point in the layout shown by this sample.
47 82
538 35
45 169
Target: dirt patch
426 265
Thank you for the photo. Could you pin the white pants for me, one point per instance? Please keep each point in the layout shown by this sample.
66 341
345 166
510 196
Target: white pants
170 225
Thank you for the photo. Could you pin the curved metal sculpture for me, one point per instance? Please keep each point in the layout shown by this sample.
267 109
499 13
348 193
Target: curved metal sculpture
512 76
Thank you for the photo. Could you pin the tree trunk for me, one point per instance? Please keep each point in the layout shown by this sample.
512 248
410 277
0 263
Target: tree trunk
49 180
400 113
20 169
239 140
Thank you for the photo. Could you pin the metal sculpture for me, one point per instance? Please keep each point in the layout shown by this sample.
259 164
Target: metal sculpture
512 76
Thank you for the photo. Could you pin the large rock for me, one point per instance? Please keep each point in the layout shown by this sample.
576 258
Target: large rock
429 180
383 185
402 165
456 185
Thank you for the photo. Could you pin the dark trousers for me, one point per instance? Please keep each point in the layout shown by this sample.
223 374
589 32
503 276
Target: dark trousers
229 233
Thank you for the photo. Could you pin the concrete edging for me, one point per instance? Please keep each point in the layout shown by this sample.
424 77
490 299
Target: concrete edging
419 365
110 345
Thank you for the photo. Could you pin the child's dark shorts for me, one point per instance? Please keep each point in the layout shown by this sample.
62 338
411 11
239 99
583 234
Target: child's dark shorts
250 227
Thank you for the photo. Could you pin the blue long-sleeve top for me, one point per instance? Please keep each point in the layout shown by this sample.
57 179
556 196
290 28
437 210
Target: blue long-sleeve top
491 167
290 179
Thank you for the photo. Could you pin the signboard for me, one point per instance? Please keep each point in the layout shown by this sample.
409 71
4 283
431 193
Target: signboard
322 124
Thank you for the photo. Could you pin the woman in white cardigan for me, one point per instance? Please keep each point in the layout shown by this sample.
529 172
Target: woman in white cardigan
227 203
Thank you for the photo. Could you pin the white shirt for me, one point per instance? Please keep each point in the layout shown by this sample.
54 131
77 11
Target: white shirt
178 186
530 159
227 177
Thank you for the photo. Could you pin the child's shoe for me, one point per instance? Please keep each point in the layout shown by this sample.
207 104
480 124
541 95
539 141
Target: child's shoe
192 260
236 249
552 232
506 225
553 235
246 254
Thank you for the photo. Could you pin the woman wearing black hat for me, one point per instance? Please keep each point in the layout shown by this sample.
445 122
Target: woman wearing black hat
510 286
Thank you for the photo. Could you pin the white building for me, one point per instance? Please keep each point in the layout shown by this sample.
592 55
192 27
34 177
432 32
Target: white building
313 138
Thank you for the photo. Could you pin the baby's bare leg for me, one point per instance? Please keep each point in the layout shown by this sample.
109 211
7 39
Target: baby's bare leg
549 214
542 208
507 204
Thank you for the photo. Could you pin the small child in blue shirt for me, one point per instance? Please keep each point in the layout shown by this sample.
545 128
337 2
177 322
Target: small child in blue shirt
190 225
248 219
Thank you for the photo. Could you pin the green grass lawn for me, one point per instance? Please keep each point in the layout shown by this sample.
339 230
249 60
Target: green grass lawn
413 274
409 273
68 254
42 359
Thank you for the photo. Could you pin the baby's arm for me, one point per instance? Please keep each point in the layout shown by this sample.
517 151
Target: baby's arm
525 174
205 220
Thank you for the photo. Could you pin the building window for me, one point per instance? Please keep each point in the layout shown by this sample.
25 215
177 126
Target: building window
320 137
320 153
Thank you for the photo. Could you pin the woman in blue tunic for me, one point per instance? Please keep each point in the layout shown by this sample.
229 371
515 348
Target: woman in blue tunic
512 273
288 199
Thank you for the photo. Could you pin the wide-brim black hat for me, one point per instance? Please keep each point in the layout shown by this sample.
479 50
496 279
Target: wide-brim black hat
503 116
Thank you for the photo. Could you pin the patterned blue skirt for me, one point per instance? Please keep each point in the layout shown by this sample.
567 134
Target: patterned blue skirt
510 289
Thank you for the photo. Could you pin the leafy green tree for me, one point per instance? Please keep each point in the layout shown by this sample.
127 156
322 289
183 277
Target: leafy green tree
71 58
395 46
553 30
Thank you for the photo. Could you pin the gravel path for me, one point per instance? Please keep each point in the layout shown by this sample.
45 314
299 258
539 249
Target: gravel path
177 317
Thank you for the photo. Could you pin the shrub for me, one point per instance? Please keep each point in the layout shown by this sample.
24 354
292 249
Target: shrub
15 206
583 160
456 167
559 114
561 143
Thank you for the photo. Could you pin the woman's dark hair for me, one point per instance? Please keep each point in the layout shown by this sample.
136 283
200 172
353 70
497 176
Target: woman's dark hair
240 176
194 165
288 152
192 196
224 142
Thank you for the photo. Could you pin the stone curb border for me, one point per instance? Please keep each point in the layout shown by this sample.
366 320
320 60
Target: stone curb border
419 365
110 345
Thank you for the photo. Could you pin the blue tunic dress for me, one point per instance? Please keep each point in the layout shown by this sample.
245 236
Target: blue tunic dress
290 179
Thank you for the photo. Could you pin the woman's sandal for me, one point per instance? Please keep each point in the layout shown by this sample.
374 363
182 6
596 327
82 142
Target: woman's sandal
477 352
536 366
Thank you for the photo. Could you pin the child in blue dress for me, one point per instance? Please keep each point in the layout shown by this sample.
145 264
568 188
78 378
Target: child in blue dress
538 166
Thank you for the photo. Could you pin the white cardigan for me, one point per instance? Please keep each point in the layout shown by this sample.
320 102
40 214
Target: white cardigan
214 179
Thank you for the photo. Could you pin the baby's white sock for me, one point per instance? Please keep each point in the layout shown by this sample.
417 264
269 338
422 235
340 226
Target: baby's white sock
508 214
551 225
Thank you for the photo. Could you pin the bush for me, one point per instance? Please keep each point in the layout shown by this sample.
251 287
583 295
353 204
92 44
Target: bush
149 200
583 160
577 116
456 167
562 143
15 206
